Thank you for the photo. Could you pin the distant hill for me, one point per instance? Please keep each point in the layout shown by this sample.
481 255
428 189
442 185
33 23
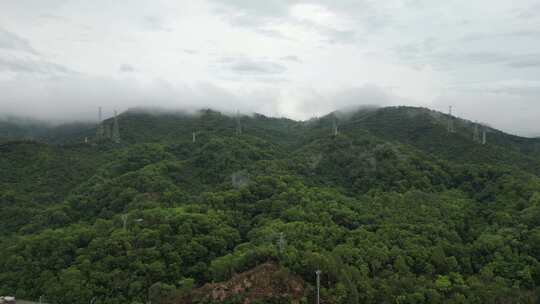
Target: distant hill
427 130
17 128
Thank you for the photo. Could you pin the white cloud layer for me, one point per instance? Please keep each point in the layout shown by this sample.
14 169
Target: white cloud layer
61 59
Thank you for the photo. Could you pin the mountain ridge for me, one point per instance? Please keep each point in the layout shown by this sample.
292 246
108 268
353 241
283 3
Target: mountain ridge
21 122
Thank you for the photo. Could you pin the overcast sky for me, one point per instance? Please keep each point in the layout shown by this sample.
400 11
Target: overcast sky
61 59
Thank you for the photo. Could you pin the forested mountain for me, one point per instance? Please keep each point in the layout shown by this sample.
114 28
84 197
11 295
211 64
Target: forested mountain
17 128
428 130
211 208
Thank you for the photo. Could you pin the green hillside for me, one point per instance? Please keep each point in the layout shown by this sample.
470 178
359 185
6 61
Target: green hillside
427 130
17 128
392 209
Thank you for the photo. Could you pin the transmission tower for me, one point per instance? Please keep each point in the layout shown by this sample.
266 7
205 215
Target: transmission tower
100 132
238 124
335 131
450 121
115 129
124 221
476 134
281 243
484 140
107 128
194 136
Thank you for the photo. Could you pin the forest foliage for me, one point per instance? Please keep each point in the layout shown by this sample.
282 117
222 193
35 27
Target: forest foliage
392 210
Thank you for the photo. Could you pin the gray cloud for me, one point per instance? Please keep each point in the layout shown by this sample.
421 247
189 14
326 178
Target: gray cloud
265 9
34 66
338 36
323 102
292 58
518 90
517 34
514 88
532 61
501 108
369 13
486 58
77 97
127 68
473 58
190 51
53 17
257 67
252 67
22 58
13 42
412 51
153 23
426 53
531 12
271 33
365 16
68 98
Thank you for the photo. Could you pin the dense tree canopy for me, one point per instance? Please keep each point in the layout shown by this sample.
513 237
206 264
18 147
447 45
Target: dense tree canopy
387 215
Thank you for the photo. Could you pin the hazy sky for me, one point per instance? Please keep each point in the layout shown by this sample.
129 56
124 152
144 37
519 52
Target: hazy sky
61 59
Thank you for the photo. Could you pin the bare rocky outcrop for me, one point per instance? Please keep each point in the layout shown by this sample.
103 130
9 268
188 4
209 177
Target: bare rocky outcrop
264 282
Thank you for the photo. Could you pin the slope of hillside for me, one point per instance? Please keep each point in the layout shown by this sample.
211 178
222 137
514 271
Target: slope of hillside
385 209
36 176
16 128
427 130
138 126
